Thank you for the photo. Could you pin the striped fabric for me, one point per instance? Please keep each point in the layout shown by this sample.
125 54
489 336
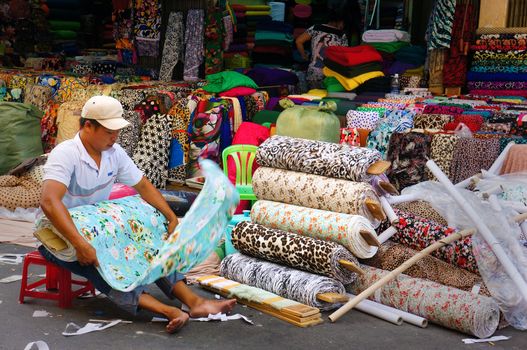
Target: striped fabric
439 33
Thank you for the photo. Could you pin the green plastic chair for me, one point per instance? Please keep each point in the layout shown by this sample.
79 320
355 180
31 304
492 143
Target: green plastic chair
243 156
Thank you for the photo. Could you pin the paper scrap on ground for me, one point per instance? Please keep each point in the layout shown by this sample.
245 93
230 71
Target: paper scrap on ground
222 317
496 338
40 313
12 259
73 329
11 279
41 345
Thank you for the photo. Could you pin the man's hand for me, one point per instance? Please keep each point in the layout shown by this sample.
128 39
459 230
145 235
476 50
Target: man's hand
172 225
86 255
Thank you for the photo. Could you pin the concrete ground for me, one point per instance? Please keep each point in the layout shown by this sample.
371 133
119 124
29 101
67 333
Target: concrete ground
355 330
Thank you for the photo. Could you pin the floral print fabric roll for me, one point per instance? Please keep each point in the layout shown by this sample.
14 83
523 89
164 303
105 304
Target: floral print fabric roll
419 233
317 157
343 229
449 307
313 191
293 250
130 236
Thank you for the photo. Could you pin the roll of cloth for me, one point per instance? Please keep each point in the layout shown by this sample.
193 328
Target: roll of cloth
436 109
317 157
498 67
516 55
313 191
293 250
343 229
391 255
362 120
422 209
431 121
442 152
281 280
418 233
133 247
476 76
449 307
497 85
471 155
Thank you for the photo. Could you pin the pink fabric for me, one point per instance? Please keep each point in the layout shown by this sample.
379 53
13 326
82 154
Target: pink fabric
499 92
248 134
120 190
238 91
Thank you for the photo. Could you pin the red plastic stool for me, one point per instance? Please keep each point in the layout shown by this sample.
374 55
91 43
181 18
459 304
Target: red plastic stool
58 282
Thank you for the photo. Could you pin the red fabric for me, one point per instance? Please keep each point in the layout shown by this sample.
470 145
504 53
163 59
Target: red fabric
248 134
351 56
473 126
238 91
120 190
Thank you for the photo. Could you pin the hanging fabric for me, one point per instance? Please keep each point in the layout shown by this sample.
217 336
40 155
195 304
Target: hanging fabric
173 47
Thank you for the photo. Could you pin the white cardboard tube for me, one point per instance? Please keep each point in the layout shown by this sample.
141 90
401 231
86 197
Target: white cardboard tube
502 256
374 309
498 163
384 236
403 198
406 316
388 210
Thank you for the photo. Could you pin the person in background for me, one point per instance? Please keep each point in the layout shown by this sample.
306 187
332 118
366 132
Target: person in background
82 171
321 36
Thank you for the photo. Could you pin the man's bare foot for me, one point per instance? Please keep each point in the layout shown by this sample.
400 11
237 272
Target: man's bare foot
204 307
177 319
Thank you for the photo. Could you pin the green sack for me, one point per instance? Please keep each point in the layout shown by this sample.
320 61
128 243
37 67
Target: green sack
309 122
19 134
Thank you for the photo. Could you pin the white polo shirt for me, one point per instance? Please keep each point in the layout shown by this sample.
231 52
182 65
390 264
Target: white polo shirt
70 164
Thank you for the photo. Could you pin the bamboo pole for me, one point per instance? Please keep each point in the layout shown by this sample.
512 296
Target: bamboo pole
403 267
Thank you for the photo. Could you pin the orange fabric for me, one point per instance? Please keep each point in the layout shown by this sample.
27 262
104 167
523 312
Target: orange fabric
516 160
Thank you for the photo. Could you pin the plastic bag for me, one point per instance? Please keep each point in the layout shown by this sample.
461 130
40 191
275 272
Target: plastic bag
508 188
506 232
463 131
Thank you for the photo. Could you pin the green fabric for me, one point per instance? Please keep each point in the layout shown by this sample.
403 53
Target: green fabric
332 85
390 47
64 34
265 35
65 25
224 81
266 116
19 134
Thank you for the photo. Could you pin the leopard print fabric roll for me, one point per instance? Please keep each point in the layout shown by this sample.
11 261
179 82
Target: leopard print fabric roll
431 121
313 191
442 152
317 157
293 250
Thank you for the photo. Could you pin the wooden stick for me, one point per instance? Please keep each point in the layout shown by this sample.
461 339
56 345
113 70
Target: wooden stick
404 266
351 266
388 187
520 218
378 167
370 238
333 298
375 208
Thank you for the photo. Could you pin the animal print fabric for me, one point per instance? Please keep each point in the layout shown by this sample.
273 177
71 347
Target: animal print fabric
362 120
293 250
317 157
422 209
442 152
471 155
431 121
181 113
313 191
392 255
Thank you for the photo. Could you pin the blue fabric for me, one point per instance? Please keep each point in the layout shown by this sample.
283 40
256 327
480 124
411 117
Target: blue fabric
479 76
176 154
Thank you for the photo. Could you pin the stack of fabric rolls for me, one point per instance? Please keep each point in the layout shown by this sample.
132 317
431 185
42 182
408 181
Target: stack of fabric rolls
346 68
273 44
498 67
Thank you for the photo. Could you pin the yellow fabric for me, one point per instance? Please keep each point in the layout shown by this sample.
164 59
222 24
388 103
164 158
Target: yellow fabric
317 92
238 115
352 83
415 71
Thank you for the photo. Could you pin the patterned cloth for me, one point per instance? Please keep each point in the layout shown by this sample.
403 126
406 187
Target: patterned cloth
422 209
37 95
304 253
471 156
194 50
446 306
173 47
436 109
130 236
431 121
350 137
151 153
147 27
419 233
362 120
313 191
439 31
340 228
19 192
129 136
317 157
392 255
408 153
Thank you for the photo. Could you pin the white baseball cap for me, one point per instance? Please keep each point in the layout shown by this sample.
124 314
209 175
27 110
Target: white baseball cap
106 110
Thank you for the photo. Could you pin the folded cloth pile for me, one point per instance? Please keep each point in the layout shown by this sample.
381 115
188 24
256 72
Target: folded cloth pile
498 66
346 68
386 40
228 81
273 43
